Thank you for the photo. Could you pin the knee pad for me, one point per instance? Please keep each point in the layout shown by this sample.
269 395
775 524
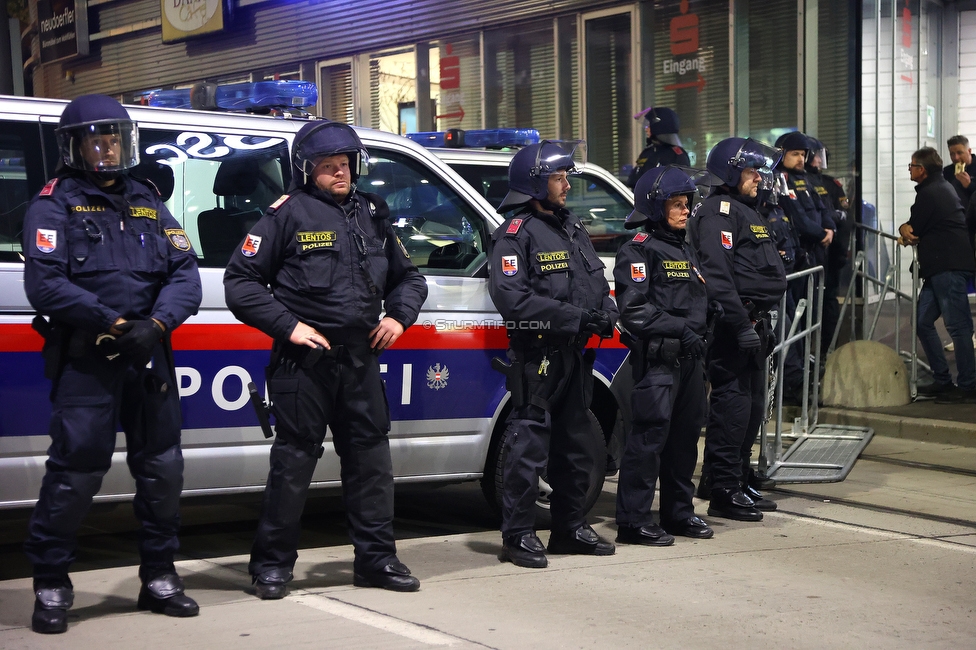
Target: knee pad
159 482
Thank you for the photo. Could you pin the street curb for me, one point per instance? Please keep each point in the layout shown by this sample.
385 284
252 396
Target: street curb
896 426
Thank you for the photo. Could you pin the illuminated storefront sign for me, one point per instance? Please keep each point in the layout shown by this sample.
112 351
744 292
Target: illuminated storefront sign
63 28
183 19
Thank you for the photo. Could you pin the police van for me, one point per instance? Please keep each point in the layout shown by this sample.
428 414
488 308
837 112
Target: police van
481 157
218 172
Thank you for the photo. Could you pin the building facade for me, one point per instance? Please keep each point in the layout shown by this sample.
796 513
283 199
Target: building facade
835 69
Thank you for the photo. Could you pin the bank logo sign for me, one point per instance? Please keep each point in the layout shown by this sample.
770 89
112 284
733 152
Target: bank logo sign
183 19
63 28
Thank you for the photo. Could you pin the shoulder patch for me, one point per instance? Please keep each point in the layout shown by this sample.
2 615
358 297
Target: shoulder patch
726 240
513 227
725 207
640 237
678 150
177 237
277 204
251 245
46 240
48 189
839 184
638 271
509 264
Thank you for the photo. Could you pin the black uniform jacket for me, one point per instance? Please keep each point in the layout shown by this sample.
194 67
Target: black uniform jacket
738 257
659 288
657 154
332 267
545 273
93 256
804 209
939 222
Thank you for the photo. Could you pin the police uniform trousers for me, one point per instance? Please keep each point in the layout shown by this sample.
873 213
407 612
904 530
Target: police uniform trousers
668 406
554 425
344 391
736 406
89 398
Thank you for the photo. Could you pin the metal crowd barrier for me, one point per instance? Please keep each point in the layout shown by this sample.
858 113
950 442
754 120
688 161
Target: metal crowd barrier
877 291
815 453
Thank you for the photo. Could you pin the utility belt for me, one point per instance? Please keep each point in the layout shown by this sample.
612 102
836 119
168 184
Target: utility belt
305 357
647 352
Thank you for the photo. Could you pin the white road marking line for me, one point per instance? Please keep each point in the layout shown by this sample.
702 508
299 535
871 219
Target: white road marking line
910 537
355 613
419 633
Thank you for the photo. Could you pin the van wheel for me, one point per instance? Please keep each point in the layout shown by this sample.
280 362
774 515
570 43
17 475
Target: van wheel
492 485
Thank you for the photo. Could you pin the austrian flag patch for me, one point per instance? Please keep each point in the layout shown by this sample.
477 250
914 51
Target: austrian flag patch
251 245
46 240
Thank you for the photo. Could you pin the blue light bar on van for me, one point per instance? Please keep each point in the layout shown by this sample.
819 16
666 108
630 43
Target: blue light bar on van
488 138
239 97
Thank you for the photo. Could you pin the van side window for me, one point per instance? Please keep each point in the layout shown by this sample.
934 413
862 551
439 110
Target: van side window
602 210
21 177
216 185
442 233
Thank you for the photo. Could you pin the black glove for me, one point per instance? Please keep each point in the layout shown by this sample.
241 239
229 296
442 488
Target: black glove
692 344
748 340
715 310
594 321
139 338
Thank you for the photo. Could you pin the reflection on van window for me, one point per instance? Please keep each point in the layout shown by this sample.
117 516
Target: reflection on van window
21 176
217 186
441 231
600 207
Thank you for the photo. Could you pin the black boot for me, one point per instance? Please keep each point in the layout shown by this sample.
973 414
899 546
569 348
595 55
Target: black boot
164 595
731 503
580 541
759 480
52 600
525 550
649 535
395 576
270 585
760 501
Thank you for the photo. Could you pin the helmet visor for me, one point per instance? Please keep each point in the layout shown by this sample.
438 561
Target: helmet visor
818 158
756 155
567 155
100 146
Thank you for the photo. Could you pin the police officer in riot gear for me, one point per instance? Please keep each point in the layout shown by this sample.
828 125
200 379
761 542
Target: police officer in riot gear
663 144
111 268
813 221
663 304
744 272
547 281
332 260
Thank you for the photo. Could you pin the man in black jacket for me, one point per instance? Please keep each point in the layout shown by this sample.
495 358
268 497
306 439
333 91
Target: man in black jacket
334 264
945 262
961 178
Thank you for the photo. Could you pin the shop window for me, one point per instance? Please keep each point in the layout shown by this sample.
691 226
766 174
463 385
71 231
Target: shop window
335 92
455 83
392 84
520 85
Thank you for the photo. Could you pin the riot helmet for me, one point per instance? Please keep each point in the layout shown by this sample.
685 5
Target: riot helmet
530 168
663 124
817 150
97 135
729 157
320 139
654 189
